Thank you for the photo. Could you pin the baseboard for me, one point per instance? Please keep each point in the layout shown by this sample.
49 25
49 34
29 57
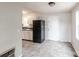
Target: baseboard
75 50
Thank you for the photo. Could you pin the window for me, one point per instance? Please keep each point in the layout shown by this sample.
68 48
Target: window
77 24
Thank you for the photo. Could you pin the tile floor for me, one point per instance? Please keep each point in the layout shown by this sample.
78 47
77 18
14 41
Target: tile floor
48 49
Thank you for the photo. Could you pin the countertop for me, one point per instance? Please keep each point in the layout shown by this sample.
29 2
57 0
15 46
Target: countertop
26 29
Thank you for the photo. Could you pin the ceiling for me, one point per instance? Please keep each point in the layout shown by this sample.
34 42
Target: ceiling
43 7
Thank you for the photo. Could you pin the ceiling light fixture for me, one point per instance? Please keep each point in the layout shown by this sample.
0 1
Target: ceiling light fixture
51 4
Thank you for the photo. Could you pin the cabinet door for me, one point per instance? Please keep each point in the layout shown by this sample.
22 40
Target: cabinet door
27 35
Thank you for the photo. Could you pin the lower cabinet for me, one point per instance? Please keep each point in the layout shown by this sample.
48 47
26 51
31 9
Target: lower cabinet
27 35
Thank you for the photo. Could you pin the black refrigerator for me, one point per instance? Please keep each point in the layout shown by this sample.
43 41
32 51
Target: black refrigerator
38 31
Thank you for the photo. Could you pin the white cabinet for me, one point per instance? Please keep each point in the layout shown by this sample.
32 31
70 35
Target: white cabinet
27 35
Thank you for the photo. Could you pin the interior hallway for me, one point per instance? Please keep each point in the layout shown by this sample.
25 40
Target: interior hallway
48 48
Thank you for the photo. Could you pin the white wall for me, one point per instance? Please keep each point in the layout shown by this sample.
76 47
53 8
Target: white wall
75 41
58 26
10 28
